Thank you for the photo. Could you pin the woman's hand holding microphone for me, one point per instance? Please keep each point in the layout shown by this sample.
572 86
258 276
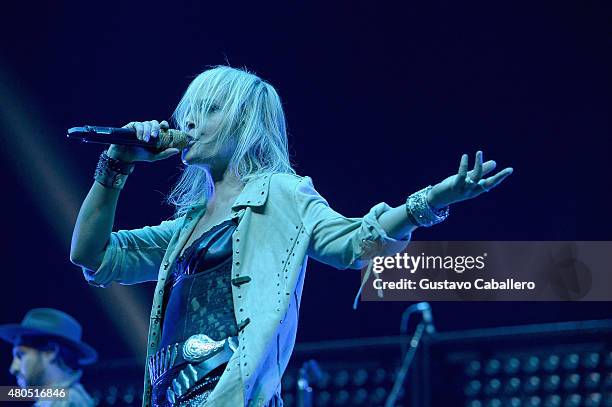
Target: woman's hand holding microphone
144 131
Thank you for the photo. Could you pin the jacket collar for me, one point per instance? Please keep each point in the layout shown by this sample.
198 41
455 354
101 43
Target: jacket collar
254 194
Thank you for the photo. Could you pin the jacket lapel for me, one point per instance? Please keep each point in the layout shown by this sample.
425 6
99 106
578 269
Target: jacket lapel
254 194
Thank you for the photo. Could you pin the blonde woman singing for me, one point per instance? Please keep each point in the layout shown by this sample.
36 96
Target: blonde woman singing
230 265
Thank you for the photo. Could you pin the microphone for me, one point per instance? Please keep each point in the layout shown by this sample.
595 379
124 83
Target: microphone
425 309
127 137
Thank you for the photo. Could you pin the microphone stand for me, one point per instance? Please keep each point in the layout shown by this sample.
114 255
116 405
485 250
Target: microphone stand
424 327
304 391
308 373
403 371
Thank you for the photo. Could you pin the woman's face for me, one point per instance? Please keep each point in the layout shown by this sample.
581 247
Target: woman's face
202 150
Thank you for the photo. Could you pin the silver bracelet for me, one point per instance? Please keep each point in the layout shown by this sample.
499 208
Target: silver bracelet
419 211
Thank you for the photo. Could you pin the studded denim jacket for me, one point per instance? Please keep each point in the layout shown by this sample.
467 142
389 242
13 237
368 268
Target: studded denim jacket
282 222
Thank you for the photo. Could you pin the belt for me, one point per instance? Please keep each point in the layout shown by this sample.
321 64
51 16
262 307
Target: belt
201 355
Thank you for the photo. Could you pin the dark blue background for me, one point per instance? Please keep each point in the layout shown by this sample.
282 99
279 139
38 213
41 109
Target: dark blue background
381 100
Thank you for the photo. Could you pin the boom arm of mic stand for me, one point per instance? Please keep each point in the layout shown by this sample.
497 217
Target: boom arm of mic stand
403 371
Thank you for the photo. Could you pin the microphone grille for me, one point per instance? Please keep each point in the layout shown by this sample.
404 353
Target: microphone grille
172 139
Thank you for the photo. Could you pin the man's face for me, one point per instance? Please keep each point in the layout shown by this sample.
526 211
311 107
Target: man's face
29 366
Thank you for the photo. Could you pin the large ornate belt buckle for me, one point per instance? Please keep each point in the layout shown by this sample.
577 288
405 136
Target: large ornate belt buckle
203 355
200 347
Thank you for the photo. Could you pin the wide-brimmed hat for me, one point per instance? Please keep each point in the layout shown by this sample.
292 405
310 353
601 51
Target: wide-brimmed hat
52 323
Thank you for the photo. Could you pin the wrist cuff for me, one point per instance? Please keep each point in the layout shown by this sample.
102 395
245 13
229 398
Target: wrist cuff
419 211
112 173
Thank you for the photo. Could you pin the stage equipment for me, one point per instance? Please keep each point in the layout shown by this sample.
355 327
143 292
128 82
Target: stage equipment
545 365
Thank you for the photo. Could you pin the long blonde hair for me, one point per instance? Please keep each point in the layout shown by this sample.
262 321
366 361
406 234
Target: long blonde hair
251 114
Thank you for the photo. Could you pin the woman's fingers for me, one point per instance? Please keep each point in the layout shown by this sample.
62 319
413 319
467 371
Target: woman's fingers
154 128
139 130
148 129
463 168
496 179
146 132
165 154
477 172
486 168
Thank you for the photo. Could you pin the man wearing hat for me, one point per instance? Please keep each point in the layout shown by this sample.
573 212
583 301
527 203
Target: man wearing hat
47 351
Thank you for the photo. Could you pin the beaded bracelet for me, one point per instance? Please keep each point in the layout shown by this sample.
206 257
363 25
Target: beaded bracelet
420 213
112 173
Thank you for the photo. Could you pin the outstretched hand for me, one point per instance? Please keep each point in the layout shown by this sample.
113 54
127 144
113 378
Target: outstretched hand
466 184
